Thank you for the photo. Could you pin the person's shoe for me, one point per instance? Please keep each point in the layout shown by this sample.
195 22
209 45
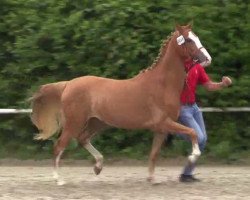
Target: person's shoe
188 178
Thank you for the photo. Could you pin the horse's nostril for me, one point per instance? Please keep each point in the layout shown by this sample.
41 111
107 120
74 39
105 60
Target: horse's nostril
201 57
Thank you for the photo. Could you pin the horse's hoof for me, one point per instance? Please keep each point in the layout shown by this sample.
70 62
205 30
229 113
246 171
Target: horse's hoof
149 179
97 170
55 175
152 181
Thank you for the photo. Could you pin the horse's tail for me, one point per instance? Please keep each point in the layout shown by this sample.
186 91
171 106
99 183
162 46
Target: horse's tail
46 109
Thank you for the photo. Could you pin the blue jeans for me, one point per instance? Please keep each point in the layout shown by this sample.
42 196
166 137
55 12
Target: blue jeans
191 116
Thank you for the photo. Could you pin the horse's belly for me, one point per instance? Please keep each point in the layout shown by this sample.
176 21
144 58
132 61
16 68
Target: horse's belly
129 116
123 115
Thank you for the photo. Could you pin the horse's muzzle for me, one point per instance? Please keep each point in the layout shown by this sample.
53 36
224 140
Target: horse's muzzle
203 57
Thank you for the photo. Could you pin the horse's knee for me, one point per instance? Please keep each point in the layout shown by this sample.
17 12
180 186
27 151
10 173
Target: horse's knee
193 135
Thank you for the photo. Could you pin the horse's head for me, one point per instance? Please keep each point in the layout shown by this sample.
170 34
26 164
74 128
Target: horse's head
191 45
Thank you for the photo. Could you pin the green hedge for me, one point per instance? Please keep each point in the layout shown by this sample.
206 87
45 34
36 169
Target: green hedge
52 40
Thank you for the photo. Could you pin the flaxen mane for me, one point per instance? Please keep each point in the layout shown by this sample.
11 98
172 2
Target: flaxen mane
162 51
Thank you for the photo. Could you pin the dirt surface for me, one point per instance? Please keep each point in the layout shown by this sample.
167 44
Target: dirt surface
122 182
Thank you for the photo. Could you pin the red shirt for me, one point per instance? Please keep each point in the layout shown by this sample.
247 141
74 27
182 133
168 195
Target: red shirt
196 75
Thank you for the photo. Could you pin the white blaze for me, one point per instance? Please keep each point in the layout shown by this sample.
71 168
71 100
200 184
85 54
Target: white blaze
207 62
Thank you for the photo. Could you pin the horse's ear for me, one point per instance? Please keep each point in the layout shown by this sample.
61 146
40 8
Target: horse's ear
178 28
190 24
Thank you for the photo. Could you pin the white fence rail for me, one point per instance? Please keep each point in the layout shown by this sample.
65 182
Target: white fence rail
226 109
204 109
14 111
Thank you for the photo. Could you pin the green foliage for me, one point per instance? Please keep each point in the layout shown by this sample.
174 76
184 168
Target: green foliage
47 41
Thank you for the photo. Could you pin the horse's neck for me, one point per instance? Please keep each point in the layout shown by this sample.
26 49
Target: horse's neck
168 74
170 69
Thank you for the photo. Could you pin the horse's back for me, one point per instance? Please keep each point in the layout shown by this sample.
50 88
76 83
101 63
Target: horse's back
110 100
99 85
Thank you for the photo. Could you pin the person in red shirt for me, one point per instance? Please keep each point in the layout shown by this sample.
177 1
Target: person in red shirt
190 114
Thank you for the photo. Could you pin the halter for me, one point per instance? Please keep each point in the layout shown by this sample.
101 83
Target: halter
208 59
185 49
181 41
198 50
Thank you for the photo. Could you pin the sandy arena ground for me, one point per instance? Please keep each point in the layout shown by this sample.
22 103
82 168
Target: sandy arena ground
122 182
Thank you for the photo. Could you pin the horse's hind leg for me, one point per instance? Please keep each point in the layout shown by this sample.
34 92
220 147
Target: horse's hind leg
94 125
97 155
84 140
59 148
156 146
71 129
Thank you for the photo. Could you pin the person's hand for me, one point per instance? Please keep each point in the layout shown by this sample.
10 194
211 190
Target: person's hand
226 81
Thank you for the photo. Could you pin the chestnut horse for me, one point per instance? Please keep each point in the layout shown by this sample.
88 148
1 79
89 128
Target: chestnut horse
82 107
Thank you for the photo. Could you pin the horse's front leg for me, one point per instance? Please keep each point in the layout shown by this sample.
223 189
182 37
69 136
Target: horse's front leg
156 146
174 127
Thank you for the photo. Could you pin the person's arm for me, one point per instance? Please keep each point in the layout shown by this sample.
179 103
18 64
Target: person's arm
214 86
